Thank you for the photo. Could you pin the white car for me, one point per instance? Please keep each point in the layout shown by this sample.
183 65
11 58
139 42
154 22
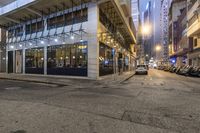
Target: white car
141 69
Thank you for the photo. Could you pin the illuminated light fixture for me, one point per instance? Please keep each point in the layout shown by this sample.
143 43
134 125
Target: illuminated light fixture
81 40
11 46
82 47
56 40
42 42
81 57
146 29
72 36
108 42
73 57
158 48
30 44
20 45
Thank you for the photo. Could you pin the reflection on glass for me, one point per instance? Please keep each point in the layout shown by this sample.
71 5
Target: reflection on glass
34 61
69 59
105 60
67 56
35 58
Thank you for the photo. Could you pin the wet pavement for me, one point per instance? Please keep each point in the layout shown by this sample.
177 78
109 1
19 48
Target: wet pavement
160 102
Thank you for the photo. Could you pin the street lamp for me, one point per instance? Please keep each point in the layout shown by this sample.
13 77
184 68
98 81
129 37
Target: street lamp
146 29
158 48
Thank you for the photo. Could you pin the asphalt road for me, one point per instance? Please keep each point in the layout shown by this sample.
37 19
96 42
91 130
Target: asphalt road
158 103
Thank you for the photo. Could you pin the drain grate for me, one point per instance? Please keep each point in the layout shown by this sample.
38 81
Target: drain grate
18 131
175 122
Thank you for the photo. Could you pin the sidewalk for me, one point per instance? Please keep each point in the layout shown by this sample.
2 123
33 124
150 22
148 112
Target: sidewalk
66 80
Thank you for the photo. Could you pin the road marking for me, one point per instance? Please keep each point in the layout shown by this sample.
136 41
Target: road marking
13 88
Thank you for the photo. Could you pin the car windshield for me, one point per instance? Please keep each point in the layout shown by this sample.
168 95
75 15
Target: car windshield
141 66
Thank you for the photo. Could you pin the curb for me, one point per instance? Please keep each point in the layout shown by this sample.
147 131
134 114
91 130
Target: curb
127 78
35 81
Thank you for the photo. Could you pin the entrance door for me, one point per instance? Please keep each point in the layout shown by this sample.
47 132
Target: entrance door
10 61
18 61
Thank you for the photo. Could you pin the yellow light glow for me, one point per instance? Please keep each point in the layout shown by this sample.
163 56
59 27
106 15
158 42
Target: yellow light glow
146 29
158 48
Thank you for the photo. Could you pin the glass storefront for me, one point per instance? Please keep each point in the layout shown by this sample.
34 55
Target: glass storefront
105 60
34 61
69 59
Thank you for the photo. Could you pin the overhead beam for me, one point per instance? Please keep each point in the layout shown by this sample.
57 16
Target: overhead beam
11 19
34 11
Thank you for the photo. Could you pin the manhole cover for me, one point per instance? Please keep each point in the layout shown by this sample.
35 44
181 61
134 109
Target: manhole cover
12 88
18 131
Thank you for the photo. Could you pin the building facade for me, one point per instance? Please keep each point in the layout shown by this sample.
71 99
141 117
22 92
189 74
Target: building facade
135 12
165 4
77 38
178 41
193 31
184 32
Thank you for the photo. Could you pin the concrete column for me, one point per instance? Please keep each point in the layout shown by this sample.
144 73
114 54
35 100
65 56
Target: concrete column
45 60
93 42
6 61
24 61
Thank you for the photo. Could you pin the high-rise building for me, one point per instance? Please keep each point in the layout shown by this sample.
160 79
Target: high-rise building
87 38
165 4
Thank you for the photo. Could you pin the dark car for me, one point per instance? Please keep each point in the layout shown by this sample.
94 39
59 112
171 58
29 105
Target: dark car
195 72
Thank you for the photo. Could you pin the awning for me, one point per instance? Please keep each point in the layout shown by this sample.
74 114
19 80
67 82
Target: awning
36 9
114 12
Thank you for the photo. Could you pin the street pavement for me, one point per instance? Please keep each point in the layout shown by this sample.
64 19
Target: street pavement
160 102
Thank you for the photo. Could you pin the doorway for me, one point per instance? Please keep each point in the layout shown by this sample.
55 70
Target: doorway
10 61
18 61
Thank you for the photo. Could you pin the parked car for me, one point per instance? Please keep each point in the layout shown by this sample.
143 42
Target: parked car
173 69
142 69
195 72
186 71
179 69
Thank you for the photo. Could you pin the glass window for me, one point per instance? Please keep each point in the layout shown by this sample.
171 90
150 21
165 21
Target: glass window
69 59
34 61
105 60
